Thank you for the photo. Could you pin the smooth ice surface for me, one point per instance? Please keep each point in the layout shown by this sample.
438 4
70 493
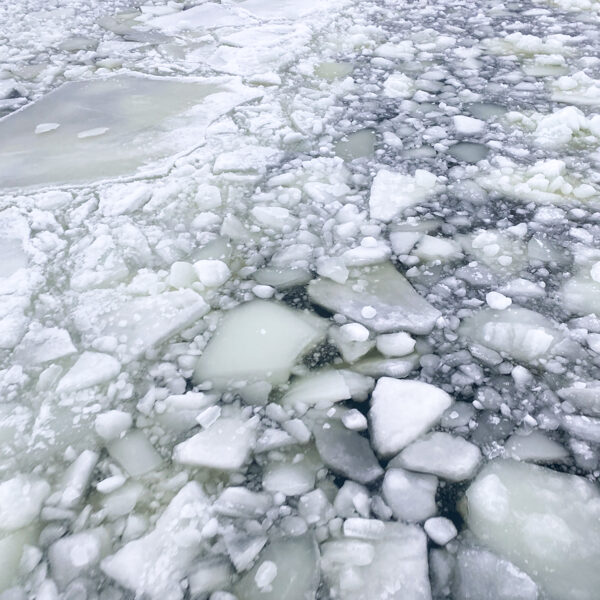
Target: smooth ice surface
441 454
379 297
401 411
397 569
547 523
411 496
258 341
520 333
143 120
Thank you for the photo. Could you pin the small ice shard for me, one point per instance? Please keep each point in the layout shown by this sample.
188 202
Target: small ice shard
225 445
74 555
296 573
395 344
240 502
485 576
315 508
75 481
521 334
411 496
154 564
392 193
465 125
21 499
112 424
441 454
401 411
43 344
497 301
139 323
534 446
397 305
91 368
346 452
94 132
440 529
212 273
398 85
135 453
243 548
46 127
546 523
397 569
258 341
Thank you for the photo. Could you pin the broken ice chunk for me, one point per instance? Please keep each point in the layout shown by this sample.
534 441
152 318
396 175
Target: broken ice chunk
21 499
521 334
392 193
296 574
154 564
211 574
584 398
398 85
440 454
534 446
240 502
397 570
139 323
440 530
395 344
112 424
225 445
547 523
402 410
382 288
135 453
346 452
258 341
91 368
43 344
411 496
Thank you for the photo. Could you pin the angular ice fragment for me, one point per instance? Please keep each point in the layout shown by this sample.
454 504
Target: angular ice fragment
91 368
258 341
346 452
398 306
43 344
112 424
534 446
243 548
440 530
402 410
392 193
398 568
586 399
225 445
398 85
21 499
546 523
154 564
297 571
139 323
521 334
240 502
411 496
468 125
440 454
135 453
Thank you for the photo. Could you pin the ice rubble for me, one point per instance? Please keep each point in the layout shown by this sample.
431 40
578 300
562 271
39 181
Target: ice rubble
545 522
143 120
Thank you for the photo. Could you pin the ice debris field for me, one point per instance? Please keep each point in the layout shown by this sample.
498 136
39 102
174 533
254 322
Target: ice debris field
299 300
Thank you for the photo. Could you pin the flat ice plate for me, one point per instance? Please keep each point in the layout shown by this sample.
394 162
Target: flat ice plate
111 128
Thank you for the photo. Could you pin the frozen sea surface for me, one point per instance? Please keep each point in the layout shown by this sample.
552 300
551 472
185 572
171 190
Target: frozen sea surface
299 300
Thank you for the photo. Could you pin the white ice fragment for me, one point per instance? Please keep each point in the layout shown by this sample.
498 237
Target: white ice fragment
110 484
364 528
354 420
73 555
112 424
534 446
333 268
411 496
212 273
91 368
154 564
210 574
263 291
135 453
225 445
265 574
441 454
392 193
547 523
497 301
398 85
381 287
75 481
94 132
440 529
21 499
395 344
43 344
402 410
468 125
354 332
45 127
258 341
240 502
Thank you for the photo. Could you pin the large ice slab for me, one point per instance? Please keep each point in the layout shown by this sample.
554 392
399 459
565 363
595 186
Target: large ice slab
395 569
546 523
137 324
258 341
520 333
379 297
119 126
402 410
